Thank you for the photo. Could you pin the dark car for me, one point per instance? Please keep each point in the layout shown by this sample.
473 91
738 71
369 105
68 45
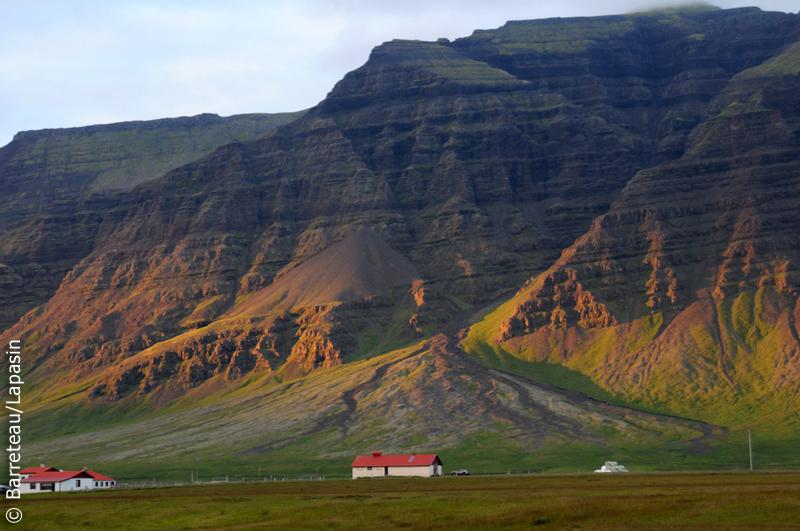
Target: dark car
462 472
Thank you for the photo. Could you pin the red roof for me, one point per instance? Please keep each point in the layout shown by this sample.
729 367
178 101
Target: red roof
378 459
99 477
37 469
55 477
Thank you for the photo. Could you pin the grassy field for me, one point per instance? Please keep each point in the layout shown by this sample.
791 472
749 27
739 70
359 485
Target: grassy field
627 501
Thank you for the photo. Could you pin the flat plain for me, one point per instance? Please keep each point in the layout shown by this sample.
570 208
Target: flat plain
718 501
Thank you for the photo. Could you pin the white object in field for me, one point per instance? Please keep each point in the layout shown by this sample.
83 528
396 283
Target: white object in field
611 466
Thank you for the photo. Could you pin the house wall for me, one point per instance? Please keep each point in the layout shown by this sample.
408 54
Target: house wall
420 471
378 471
67 485
72 484
26 487
365 472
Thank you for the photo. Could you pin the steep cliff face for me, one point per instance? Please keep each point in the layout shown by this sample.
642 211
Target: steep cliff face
695 268
57 184
551 117
437 177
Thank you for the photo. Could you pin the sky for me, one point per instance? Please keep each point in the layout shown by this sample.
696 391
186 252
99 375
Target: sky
69 63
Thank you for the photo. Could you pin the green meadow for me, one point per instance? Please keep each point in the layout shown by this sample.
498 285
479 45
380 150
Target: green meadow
683 501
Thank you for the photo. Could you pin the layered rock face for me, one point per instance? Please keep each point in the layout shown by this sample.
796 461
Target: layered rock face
57 184
551 117
449 173
695 268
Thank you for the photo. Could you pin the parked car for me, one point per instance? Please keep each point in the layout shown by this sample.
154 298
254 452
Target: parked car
462 472
4 489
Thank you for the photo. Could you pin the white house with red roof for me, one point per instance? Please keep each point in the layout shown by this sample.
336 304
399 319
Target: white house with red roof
49 479
379 465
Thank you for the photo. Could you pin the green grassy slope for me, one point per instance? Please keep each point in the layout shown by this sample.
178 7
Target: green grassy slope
738 371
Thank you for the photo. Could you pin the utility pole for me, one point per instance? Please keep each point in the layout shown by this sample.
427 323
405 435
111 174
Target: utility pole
196 469
750 444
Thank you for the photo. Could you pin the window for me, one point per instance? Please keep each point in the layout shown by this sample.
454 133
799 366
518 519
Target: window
369 468
77 483
33 486
106 483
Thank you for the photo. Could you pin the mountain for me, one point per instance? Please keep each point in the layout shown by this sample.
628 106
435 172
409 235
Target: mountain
684 296
635 174
56 185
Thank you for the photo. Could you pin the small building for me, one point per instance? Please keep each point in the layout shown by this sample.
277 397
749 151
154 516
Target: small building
379 465
65 481
611 466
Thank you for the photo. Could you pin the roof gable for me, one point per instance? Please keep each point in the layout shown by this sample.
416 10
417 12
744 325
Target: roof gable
38 469
99 477
56 477
378 459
